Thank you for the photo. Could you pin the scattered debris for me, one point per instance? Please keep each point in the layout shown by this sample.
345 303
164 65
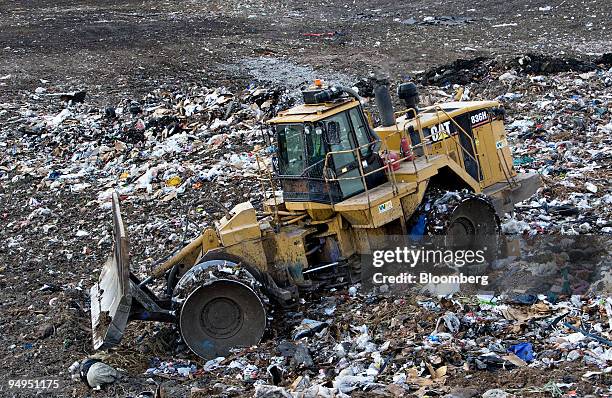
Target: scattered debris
439 20
94 373
307 328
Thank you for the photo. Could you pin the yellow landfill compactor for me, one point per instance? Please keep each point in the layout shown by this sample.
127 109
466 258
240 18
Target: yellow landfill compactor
345 183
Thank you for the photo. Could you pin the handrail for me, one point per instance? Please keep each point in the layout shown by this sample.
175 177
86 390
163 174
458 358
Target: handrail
426 141
457 143
272 185
365 185
312 166
460 129
464 150
391 173
386 167
385 147
421 135
327 156
507 172
504 170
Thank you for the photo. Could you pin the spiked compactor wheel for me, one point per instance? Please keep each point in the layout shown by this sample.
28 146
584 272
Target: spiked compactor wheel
221 315
465 221
473 224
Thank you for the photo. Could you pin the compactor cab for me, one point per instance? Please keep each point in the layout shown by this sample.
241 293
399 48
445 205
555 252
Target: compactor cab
329 151
329 136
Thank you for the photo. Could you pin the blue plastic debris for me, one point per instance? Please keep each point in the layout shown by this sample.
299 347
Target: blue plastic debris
54 175
434 338
418 229
270 149
523 351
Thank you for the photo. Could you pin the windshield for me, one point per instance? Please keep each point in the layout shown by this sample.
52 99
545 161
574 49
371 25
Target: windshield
314 143
291 140
290 148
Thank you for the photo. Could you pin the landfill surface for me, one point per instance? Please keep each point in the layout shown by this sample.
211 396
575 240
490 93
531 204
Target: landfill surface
166 103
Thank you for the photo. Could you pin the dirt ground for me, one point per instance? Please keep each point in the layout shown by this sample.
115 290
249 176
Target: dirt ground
127 47
124 49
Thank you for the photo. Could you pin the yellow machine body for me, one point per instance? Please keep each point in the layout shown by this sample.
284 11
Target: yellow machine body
280 243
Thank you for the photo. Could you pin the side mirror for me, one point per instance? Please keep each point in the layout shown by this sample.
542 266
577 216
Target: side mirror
332 133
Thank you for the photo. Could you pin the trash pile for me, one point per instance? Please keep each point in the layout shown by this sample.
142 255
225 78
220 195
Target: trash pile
134 147
475 70
560 127
61 158
63 152
391 346
166 150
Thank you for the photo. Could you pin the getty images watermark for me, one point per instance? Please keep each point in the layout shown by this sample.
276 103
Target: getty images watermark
440 265
412 266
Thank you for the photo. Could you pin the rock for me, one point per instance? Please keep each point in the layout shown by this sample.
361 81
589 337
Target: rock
462 393
46 330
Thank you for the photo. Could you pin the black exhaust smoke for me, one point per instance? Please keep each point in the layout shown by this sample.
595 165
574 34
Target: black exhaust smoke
385 107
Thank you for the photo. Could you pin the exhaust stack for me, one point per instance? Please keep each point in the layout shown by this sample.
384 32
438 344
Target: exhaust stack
384 105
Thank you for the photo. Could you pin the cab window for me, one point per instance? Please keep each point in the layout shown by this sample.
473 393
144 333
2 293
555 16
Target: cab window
346 140
290 148
361 129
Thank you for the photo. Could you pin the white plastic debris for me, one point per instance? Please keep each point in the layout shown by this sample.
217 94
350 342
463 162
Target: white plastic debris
591 187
